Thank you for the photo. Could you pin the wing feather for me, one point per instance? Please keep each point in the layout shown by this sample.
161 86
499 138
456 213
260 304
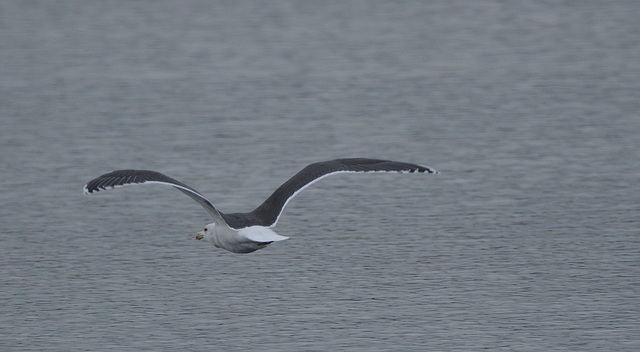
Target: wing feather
119 178
268 213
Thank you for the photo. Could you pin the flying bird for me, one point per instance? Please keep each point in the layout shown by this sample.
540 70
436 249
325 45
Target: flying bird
248 232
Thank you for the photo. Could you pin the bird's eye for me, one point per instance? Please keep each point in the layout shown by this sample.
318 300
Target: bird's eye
205 229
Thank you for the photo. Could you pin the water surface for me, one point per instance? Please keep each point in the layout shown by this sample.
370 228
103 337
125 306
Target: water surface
527 240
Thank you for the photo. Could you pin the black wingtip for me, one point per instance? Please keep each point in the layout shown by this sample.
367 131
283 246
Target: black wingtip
428 170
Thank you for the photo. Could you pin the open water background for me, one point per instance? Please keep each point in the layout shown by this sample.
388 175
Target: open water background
528 240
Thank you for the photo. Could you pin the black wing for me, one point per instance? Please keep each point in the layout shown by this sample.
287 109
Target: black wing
120 178
267 213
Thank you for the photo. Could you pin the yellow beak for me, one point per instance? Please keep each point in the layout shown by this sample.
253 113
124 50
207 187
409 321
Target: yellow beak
199 235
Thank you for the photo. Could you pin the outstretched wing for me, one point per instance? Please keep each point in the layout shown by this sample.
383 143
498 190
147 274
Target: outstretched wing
267 213
121 178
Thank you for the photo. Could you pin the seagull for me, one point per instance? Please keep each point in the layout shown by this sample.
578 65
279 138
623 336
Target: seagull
248 232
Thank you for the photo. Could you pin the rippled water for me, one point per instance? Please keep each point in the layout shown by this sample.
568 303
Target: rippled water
528 239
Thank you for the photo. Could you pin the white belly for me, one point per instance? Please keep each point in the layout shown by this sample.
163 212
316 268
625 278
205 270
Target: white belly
245 240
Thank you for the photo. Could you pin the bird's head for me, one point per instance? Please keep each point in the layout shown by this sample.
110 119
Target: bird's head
207 232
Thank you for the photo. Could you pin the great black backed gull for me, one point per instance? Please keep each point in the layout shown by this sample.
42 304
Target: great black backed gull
248 232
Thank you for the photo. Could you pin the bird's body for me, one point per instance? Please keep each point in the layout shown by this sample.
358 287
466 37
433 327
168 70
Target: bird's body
248 232
246 240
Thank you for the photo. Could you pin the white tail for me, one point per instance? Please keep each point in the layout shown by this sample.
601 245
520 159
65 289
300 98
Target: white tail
261 234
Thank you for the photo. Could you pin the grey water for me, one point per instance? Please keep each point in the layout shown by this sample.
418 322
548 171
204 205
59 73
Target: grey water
528 239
